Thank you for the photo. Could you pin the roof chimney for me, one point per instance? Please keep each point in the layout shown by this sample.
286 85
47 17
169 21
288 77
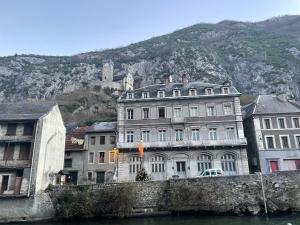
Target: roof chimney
184 79
168 79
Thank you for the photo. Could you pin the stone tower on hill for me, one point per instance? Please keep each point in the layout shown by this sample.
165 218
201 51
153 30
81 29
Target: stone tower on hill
108 71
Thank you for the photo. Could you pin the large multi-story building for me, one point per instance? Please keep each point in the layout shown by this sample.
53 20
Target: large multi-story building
32 139
185 128
272 127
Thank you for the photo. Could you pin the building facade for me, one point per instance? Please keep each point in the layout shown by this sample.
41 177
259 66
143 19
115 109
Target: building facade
185 128
272 127
31 147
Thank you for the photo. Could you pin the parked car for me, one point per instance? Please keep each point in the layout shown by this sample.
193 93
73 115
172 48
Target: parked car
212 173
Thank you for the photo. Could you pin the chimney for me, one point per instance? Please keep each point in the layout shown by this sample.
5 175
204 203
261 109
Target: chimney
168 79
184 79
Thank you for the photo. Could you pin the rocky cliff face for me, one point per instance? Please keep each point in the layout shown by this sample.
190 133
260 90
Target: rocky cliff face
258 57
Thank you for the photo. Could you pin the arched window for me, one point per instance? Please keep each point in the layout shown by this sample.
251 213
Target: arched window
134 164
204 162
228 164
157 164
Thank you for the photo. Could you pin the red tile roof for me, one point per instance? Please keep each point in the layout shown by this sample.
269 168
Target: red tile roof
71 143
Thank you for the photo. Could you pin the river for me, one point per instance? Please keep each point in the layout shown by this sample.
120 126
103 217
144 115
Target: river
184 220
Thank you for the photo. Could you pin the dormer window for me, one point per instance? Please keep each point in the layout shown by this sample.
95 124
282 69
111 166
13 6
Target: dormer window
209 91
145 95
160 94
176 93
193 92
129 95
225 90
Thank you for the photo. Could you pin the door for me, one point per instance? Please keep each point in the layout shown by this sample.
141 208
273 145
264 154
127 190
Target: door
4 184
100 177
72 178
274 166
181 169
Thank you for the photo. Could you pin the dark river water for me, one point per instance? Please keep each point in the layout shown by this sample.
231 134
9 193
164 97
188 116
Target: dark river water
186 220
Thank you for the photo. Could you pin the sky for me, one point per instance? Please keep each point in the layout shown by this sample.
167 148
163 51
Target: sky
67 27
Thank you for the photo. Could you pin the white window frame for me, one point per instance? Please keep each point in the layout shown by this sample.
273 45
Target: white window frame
159 132
211 105
174 91
143 113
278 124
210 130
266 142
223 90
231 112
130 94
190 92
126 138
9 180
87 175
163 94
148 135
288 138
127 114
109 157
197 111
198 136
182 134
145 94
234 133
174 114
295 139
264 124
99 157
160 107
206 91
293 124
93 158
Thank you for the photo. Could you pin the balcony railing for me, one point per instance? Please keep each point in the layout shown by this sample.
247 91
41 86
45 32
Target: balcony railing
155 144
16 138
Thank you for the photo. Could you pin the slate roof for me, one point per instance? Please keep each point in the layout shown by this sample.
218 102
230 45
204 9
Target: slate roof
24 111
270 104
102 127
77 133
184 89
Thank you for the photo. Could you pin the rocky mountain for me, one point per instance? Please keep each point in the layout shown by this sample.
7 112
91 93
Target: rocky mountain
261 57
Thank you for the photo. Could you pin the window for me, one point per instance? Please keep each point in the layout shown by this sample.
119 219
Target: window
296 122
212 133
130 114
24 151
209 91
145 94
210 110
91 157
134 164
145 113
178 135
228 164
102 140
157 164
193 92
196 134
230 133
177 112
9 151
204 162
270 142
112 140
227 109
90 176
101 157
11 129
162 135
68 163
130 95
161 112
194 111
112 157
146 135
93 140
267 123
4 185
176 93
297 141
225 90
28 129
285 142
281 123
160 94
129 136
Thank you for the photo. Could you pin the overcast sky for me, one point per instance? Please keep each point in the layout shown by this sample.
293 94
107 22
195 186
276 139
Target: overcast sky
66 27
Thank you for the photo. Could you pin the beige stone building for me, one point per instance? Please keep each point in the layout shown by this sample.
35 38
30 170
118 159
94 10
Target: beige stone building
32 139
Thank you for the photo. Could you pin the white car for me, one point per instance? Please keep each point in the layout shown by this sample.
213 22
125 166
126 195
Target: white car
212 173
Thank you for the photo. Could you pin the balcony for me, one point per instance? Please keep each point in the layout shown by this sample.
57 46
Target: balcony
189 143
14 163
15 138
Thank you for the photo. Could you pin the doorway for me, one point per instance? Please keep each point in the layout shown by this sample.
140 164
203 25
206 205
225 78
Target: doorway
100 178
181 169
4 184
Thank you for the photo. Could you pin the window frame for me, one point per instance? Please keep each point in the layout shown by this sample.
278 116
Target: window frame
207 91
129 116
99 157
101 139
197 111
165 114
159 134
143 115
293 124
130 96
207 109
145 131
264 124
92 152
175 91
145 94
175 114
109 157
158 94
278 123
90 172
131 134
197 133
215 129
69 160
267 144
182 134
288 141
226 88
193 90
297 144
231 108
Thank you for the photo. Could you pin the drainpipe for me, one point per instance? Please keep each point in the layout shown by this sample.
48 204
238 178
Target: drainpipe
32 158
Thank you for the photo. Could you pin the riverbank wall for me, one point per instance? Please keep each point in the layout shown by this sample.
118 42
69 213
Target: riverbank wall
240 195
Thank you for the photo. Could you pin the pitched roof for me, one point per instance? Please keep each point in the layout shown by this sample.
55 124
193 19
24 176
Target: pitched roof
102 127
24 111
270 104
71 143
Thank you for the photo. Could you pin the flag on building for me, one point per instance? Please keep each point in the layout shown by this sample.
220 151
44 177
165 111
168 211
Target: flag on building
141 149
